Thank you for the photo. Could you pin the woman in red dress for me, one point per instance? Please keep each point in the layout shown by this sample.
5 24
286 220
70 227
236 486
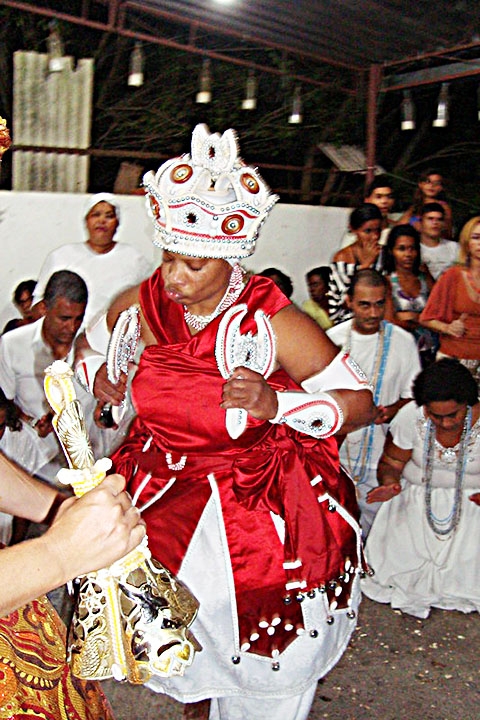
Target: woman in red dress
247 507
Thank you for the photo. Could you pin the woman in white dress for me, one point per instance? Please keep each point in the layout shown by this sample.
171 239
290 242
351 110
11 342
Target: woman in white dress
423 546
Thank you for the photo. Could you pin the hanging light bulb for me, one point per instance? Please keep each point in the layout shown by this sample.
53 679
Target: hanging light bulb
137 61
296 116
250 100
442 108
408 111
55 48
204 94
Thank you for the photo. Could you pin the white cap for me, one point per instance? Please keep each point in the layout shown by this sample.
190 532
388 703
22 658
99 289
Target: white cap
102 197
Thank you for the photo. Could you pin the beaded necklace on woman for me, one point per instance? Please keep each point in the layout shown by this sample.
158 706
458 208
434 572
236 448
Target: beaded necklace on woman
445 527
358 466
232 293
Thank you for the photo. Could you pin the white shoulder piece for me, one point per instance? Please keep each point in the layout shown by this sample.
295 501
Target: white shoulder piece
342 373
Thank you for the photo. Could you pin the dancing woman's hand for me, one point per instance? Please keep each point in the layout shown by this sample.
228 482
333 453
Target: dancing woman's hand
249 390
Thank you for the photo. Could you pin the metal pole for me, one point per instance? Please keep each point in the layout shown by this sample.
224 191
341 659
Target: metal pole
374 81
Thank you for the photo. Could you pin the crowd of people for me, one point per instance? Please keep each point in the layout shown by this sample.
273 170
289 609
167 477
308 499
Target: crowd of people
263 444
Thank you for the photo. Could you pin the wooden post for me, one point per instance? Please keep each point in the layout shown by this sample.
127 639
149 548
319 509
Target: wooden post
374 81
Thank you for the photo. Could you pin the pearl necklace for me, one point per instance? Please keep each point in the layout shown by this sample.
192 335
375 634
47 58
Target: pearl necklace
359 465
232 293
442 527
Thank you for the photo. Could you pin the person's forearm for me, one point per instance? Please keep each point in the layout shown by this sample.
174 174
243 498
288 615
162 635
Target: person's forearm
357 407
29 569
22 495
437 325
388 474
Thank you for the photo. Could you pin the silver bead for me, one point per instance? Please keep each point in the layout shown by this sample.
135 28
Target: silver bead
235 659
330 620
313 633
275 666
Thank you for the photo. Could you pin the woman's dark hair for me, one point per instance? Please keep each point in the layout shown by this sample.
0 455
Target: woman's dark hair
323 271
11 415
362 214
446 379
25 285
280 279
393 235
418 195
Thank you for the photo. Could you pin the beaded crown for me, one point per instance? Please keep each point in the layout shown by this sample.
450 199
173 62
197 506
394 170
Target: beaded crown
208 204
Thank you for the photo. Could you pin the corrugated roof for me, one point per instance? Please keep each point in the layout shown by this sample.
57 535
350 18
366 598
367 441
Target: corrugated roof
354 32
347 158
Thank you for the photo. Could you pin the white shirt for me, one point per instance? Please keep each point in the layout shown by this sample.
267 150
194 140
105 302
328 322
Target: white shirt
22 447
401 367
24 355
106 275
440 257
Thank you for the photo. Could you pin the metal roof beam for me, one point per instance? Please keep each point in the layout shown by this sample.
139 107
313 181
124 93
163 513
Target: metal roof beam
166 42
443 73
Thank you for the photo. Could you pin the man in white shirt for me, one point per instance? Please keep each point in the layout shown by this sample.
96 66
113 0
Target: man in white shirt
28 350
437 253
389 357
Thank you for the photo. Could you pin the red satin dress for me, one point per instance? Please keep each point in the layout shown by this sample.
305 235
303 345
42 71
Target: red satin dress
277 558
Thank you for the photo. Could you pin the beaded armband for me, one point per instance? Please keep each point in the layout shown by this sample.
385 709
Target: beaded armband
315 414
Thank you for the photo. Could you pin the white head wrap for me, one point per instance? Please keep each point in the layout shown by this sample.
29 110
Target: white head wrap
102 197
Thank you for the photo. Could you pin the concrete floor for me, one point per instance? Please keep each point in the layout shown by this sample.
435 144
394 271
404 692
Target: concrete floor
396 668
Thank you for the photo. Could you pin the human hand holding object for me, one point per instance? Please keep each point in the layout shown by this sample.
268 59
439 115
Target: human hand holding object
132 616
249 390
93 531
44 426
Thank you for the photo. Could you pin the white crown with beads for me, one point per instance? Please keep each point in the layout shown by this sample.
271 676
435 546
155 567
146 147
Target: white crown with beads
209 204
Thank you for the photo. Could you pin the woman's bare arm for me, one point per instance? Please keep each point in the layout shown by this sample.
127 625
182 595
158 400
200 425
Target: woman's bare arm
87 534
389 472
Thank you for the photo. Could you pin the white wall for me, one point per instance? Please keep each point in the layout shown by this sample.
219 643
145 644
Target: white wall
295 238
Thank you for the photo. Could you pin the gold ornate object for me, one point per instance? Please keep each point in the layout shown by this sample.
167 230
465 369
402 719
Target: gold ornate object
131 619
5 139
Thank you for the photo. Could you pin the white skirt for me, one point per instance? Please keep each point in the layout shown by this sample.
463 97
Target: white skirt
415 570
206 570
